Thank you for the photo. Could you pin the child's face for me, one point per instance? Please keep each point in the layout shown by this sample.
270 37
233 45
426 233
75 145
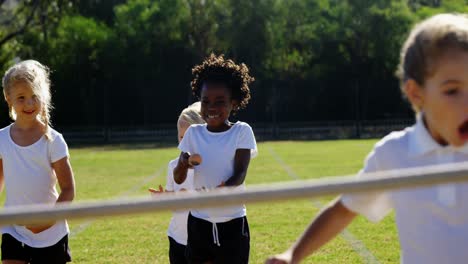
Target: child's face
23 100
182 127
216 105
444 99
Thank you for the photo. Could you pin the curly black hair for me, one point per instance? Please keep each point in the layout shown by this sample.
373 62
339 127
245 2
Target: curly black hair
216 69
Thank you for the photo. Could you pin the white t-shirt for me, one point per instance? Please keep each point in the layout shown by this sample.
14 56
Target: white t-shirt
178 225
217 151
432 221
30 179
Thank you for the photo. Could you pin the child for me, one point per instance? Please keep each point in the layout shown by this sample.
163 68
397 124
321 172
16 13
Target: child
177 231
33 157
432 221
218 235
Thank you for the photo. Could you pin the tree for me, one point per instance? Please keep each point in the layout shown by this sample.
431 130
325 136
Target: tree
205 22
155 58
102 11
23 16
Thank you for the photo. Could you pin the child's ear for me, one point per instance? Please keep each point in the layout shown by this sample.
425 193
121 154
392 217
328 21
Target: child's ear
415 93
7 99
235 104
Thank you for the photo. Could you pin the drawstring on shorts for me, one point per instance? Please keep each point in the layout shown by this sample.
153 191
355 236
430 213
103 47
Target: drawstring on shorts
215 235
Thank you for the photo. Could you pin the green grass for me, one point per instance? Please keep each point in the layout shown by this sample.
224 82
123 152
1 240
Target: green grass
112 172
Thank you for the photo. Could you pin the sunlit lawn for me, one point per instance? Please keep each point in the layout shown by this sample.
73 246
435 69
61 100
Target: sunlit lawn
109 172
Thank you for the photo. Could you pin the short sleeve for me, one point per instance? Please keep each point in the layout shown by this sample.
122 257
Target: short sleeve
2 141
170 176
373 205
58 149
247 140
185 144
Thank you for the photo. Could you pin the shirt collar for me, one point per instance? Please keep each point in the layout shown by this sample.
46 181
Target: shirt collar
421 141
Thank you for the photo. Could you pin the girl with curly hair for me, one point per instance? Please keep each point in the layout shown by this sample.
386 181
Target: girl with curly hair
218 235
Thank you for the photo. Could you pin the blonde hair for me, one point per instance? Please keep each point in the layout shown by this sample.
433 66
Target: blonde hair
192 114
36 76
429 40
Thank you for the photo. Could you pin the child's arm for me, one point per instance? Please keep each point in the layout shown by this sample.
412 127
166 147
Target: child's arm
156 192
241 164
64 174
180 171
2 181
65 180
169 181
331 221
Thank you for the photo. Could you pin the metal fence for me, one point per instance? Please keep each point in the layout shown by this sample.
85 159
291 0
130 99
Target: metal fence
263 131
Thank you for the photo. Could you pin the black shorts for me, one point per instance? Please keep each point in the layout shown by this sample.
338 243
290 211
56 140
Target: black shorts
13 249
220 243
176 252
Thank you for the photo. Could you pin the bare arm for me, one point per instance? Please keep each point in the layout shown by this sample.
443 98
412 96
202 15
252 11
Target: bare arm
241 164
180 171
2 180
160 190
65 179
330 221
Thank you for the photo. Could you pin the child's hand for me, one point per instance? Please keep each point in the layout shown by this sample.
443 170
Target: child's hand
184 159
39 228
284 258
195 160
156 192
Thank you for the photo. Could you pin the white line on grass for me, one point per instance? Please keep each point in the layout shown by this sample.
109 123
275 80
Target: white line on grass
82 227
355 243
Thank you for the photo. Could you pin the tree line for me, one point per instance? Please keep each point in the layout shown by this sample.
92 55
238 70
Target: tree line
128 63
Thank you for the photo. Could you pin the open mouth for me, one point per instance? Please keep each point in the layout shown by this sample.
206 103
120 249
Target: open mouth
463 130
212 116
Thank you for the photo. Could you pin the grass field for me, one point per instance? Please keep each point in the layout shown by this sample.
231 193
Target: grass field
110 172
